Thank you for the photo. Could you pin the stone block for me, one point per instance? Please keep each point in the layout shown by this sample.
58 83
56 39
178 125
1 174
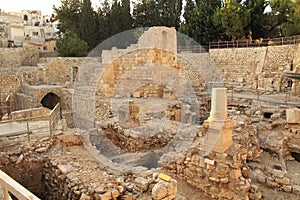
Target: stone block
240 79
188 173
64 169
293 115
128 196
278 173
214 179
171 197
235 174
159 191
85 197
283 181
105 196
271 183
137 95
222 170
296 189
142 183
163 189
287 188
115 193
202 162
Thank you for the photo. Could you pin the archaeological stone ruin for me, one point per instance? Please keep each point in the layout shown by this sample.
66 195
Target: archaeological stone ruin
158 118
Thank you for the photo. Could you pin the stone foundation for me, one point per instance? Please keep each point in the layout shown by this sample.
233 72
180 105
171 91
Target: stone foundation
66 175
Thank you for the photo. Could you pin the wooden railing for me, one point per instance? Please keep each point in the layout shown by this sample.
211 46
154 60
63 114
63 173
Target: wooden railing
9 185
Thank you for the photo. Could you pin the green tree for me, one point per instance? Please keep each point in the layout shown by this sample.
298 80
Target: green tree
113 19
170 12
70 45
199 23
258 17
103 21
149 13
146 14
188 9
68 15
281 11
292 26
88 26
234 18
125 17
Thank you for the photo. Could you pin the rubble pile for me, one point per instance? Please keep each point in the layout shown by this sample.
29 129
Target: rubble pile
66 171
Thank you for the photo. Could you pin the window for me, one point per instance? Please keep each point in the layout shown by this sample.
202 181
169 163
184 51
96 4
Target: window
74 72
164 39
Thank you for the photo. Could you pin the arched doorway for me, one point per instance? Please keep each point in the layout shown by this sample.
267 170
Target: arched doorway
50 100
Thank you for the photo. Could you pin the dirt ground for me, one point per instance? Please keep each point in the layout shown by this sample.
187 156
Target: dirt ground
293 171
69 150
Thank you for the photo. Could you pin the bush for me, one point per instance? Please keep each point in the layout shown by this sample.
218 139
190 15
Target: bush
70 45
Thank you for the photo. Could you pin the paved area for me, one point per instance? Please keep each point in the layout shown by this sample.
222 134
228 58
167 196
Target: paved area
281 98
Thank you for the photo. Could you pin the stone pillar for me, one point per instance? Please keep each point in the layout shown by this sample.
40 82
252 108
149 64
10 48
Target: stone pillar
219 134
218 104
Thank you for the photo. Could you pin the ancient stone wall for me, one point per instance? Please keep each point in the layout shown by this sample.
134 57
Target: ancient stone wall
162 38
159 38
256 68
11 81
218 175
68 172
63 71
28 85
16 57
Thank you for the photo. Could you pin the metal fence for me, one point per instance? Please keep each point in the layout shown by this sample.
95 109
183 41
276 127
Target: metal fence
192 49
285 97
53 117
255 43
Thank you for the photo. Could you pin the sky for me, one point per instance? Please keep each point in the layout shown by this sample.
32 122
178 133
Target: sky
44 5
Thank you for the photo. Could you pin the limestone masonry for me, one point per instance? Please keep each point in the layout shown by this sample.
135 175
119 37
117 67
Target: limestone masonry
229 120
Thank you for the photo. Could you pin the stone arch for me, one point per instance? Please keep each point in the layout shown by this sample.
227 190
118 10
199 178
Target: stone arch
50 100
